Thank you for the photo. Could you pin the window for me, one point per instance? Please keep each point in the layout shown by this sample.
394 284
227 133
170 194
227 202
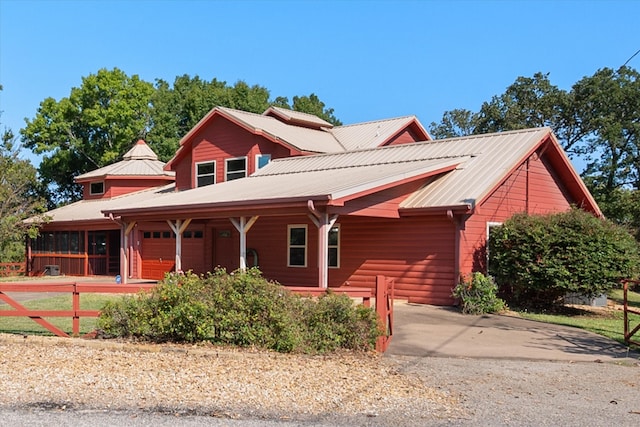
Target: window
334 247
65 242
236 168
262 160
205 174
96 188
297 245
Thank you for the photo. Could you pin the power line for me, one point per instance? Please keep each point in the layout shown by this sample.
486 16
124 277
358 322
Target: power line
637 52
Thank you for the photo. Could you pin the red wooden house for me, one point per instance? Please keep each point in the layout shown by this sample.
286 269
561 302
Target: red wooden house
316 205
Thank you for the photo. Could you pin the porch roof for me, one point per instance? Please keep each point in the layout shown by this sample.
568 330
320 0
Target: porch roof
329 179
91 210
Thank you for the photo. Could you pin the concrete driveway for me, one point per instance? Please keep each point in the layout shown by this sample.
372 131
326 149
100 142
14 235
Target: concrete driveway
423 330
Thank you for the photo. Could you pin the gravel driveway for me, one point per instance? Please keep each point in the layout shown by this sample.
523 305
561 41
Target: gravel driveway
56 381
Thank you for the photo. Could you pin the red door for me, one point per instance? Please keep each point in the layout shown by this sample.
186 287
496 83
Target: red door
158 254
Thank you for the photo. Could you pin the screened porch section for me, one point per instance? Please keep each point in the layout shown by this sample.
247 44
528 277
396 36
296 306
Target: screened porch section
75 253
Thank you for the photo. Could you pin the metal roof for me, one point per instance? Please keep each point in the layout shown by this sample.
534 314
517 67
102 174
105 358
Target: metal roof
325 139
296 182
138 161
494 155
297 116
370 134
472 166
91 210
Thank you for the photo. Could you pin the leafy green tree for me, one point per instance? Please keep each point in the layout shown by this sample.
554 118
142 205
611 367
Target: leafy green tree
454 123
178 108
312 105
90 129
538 259
597 121
100 120
20 198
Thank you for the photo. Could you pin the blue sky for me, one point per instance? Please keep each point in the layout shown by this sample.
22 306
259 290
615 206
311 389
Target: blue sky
366 59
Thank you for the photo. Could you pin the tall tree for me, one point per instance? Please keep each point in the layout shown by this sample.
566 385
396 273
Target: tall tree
20 197
598 120
91 128
312 105
100 120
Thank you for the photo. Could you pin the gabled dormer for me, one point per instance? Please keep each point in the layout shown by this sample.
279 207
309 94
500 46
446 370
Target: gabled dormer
138 170
229 144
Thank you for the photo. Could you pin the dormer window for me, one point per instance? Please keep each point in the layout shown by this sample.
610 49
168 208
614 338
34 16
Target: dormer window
236 168
205 173
96 188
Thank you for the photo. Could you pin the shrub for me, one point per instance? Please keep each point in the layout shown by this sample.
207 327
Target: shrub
241 309
537 259
478 295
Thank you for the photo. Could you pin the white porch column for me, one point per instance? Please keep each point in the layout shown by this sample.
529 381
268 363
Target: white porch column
178 228
242 225
125 230
324 222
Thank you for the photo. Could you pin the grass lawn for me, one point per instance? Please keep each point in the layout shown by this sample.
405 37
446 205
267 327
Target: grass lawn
26 326
607 321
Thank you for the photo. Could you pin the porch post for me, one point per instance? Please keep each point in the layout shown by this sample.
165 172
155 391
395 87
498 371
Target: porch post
125 230
178 228
324 222
242 225
86 253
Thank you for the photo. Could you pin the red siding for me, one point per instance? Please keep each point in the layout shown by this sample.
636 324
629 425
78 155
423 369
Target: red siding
532 188
122 186
183 173
417 252
221 140
383 203
404 137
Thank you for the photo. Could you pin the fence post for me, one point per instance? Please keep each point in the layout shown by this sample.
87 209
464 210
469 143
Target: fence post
75 323
384 309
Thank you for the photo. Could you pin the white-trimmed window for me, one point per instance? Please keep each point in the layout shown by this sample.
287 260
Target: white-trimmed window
205 173
262 160
490 226
297 245
334 247
235 168
96 188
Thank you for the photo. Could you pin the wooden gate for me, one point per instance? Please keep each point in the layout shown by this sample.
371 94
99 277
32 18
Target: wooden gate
628 331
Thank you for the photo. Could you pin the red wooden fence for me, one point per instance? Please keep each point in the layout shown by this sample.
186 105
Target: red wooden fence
12 269
628 331
383 294
74 288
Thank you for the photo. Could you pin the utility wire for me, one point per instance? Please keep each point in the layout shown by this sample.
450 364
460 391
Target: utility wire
637 52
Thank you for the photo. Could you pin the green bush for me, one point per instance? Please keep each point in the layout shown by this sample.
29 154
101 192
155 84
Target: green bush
478 295
537 259
241 309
